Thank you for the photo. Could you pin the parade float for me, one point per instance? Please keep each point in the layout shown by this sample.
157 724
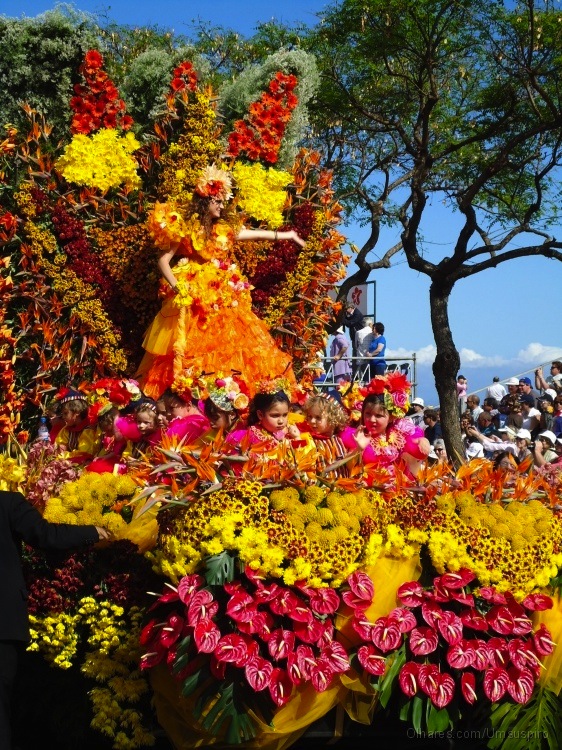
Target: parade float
243 600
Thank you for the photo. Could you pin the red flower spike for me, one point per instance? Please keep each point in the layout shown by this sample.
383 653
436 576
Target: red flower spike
408 678
386 634
498 652
206 636
442 693
423 640
468 687
522 654
457 580
231 648
241 607
496 681
490 594
258 673
431 613
542 639
280 686
362 626
154 657
371 659
537 602
426 673
308 632
284 602
267 593
460 655
171 631
450 626
149 632
361 585
301 612
201 607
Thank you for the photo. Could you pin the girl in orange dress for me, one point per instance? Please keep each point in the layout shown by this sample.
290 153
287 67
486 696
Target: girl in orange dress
206 321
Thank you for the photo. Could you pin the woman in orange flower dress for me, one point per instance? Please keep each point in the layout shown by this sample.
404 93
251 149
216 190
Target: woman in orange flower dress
206 322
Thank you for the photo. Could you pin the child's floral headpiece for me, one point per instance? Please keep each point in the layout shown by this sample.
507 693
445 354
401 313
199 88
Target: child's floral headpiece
228 393
64 395
274 385
112 392
214 183
351 398
188 386
395 388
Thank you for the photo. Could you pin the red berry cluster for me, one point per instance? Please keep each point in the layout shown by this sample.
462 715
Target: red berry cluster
259 134
97 103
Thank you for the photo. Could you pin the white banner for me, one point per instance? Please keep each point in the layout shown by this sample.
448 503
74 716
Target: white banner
357 296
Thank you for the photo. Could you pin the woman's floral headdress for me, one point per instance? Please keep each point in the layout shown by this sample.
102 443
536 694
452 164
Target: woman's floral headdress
188 386
228 393
108 393
214 183
274 385
395 389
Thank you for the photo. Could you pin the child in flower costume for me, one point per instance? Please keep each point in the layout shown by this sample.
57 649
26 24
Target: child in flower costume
384 436
206 321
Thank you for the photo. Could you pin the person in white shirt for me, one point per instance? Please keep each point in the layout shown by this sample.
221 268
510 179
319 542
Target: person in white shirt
496 390
363 339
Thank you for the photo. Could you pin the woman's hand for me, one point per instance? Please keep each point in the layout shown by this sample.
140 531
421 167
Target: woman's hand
103 534
292 235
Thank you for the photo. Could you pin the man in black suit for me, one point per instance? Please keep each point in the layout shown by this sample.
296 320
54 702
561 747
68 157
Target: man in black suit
20 521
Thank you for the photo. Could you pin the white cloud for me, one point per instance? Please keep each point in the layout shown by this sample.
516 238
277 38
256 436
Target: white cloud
424 356
537 353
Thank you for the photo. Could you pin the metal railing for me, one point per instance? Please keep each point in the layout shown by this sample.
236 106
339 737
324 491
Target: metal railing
361 370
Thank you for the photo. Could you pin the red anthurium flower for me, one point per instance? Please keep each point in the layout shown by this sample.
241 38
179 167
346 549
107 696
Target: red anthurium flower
149 632
537 602
267 593
218 668
153 657
426 673
501 620
411 594
522 625
439 593
362 586
423 640
450 626
481 658
254 624
468 687
460 655
258 672
301 612
543 642
442 694
324 601
404 617
231 648
188 586
490 594
472 619
201 607
171 630
264 625
306 661
281 643
309 632
232 587
371 659
432 613
255 576
386 634
336 656
280 686
463 598
284 602
293 668
322 674
522 653
496 681
408 678
362 625
498 652
241 607
206 636
327 636
521 684
165 598
457 580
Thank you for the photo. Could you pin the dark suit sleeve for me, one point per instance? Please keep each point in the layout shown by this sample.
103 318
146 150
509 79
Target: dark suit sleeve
27 523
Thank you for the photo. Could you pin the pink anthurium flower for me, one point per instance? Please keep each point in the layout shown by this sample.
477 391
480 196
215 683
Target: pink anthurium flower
309 632
522 653
327 635
281 643
468 687
423 640
322 674
442 693
501 620
498 652
411 594
362 586
404 617
231 648
336 656
150 631
426 677
201 607
267 592
324 601
386 634
371 659
408 678
460 655
481 657
280 686
431 613
496 681
293 669
171 630
362 625
306 661
206 636
490 594
241 607
463 598
188 586
521 684
542 641
284 602
457 580
472 619
450 626
537 602
258 672
301 612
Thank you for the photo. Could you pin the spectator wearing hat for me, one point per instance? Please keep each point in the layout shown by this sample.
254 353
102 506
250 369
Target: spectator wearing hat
440 451
542 382
474 450
531 415
415 412
503 442
545 404
496 390
526 388
543 451
339 352
523 442
512 385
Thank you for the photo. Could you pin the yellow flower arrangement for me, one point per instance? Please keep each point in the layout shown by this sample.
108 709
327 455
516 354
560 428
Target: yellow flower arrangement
102 160
12 474
261 193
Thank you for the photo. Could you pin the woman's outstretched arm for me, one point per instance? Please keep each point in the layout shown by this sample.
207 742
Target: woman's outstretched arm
269 234
165 269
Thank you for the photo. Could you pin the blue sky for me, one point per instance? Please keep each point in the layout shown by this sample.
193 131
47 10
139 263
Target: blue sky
504 321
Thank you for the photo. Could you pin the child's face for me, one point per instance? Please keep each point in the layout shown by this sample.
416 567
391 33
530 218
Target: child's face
220 420
146 421
274 418
69 417
162 414
107 425
318 421
376 419
178 408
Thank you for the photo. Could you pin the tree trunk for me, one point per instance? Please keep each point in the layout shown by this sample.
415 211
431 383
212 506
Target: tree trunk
445 370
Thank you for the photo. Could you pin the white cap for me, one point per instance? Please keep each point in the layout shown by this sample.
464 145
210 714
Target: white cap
551 392
474 450
418 401
512 381
549 435
523 433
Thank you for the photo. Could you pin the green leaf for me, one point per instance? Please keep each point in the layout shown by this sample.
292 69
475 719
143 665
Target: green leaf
219 569
387 684
437 719
195 680
417 713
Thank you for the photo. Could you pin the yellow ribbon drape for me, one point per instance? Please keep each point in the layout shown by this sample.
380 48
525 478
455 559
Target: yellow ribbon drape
551 675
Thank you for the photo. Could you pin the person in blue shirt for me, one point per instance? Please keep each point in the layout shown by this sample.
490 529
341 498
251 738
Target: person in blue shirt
377 350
